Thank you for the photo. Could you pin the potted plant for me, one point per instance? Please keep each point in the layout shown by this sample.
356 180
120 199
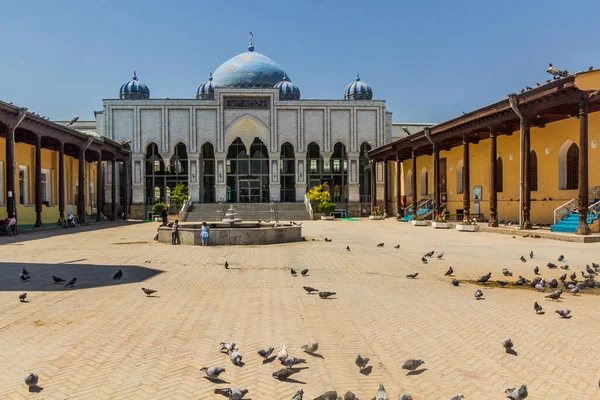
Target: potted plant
441 221
468 225
157 210
419 221
376 213
326 208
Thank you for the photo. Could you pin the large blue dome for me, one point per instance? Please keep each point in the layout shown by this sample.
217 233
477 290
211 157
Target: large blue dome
358 90
134 90
248 70
287 90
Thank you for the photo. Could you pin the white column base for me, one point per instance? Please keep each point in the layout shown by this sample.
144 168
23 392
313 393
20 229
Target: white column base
137 195
274 192
354 192
300 192
194 191
220 193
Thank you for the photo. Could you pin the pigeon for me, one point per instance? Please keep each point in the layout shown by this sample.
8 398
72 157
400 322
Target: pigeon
573 276
502 283
25 272
531 254
361 362
536 270
348 248
517 394
71 282
212 372
440 256
565 267
574 291
459 396
563 277
118 275
455 282
22 297
519 282
310 348
293 272
586 276
265 353
523 259
57 279
413 276
350 396
485 278
381 245
236 358
424 260
590 271
24 278
554 295
328 240
228 347
508 345
506 272
538 309
331 395
430 254
325 295
310 289
282 354
396 247
304 272
31 380
148 292
285 373
561 258
552 283
299 394
226 265
449 272
478 294
232 393
291 361
551 265
411 365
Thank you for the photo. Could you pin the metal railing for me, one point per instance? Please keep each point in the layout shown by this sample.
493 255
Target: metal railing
594 208
183 213
564 210
308 207
221 209
274 212
365 198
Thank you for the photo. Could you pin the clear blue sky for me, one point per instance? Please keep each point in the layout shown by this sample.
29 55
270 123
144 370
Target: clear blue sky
430 60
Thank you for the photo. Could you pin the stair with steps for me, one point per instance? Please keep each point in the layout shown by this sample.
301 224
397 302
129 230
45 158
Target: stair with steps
250 212
569 223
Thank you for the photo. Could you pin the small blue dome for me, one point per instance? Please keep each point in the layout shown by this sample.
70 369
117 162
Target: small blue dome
358 90
206 91
287 90
134 90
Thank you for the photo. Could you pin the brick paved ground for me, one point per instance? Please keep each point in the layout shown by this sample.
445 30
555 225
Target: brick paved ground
105 339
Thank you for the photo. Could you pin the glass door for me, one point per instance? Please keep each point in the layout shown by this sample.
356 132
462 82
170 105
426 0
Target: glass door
255 191
244 191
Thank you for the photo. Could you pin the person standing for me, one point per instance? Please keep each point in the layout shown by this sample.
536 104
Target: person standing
165 215
12 226
175 233
204 234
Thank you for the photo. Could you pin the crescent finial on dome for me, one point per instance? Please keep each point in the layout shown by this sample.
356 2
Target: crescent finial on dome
134 75
210 77
357 77
251 47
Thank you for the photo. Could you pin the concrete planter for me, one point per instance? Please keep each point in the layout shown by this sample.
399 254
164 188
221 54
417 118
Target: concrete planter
376 217
418 223
318 215
157 219
467 228
327 217
441 225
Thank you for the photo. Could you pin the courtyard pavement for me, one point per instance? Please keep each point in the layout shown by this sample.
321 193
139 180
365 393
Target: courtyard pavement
104 339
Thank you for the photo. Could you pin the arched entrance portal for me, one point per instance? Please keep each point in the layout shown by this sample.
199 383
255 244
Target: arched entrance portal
247 172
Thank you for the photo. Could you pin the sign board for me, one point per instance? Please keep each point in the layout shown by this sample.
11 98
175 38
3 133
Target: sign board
476 193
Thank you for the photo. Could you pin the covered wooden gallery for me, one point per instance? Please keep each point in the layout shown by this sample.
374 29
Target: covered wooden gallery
43 165
531 158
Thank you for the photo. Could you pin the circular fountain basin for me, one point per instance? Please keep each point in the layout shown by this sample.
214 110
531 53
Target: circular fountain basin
238 233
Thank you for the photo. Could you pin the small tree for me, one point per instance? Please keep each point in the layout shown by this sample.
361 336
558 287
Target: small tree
319 194
158 207
179 194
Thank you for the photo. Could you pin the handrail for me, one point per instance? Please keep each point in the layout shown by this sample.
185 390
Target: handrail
183 213
561 211
595 208
308 207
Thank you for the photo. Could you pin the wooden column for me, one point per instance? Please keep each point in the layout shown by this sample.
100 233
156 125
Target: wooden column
414 184
398 187
61 180
373 184
583 228
526 216
436 179
81 184
113 190
493 184
10 172
38 181
99 184
126 186
386 187
466 178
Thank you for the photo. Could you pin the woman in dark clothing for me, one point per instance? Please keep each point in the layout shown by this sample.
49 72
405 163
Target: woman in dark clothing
164 214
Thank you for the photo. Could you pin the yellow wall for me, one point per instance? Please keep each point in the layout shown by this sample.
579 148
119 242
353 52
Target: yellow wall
25 155
544 200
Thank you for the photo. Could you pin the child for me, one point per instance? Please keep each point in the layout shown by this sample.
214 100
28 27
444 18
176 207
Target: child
174 232
204 234
12 224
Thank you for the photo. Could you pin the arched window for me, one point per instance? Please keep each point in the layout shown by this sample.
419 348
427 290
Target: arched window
533 175
459 180
247 172
499 175
207 161
364 173
408 183
287 172
424 182
155 175
573 167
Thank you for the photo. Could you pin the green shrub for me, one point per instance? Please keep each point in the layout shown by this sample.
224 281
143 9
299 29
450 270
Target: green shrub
158 207
325 208
179 194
